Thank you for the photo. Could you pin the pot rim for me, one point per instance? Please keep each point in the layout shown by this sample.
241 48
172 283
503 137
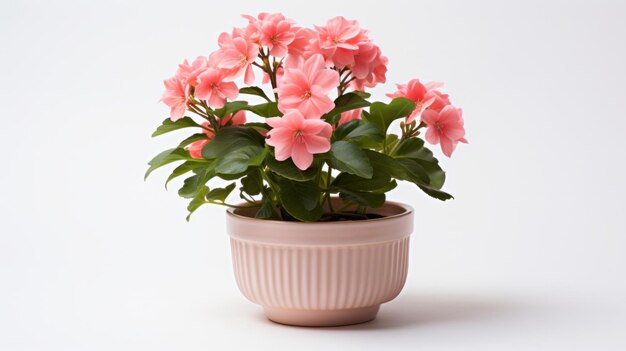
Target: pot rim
408 210
349 232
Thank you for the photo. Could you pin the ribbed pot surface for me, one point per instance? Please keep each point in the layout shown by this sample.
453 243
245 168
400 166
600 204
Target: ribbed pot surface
321 274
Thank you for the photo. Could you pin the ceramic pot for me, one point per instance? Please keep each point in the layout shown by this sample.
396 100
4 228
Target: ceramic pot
323 273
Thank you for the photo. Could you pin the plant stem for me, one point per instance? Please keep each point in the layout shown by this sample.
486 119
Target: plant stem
211 116
272 74
249 199
343 85
270 69
195 110
407 133
270 196
328 180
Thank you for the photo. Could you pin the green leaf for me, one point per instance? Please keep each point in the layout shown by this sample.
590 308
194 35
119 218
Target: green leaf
239 160
344 103
183 168
231 138
379 183
198 200
231 107
266 211
193 138
254 91
195 183
233 176
252 184
348 157
167 157
362 132
391 140
416 173
382 115
220 194
410 170
259 127
300 199
436 175
362 94
384 163
168 126
437 194
364 199
289 170
268 109
414 148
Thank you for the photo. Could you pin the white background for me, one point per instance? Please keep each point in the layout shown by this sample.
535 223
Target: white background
530 255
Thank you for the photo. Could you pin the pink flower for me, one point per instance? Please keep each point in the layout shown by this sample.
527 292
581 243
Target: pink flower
440 100
340 39
445 127
424 96
271 30
175 96
305 87
189 73
349 116
212 88
301 41
237 56
195 148
299 138
363 59
252 32
368 71
277 35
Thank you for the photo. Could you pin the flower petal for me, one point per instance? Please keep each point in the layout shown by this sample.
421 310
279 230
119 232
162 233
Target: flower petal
326 79
316 144
314 126
432 135
430 117
300 156
249 75
313 64
229 89
447 146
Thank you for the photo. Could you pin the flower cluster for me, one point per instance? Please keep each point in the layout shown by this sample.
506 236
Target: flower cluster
444 122
312 64
316 112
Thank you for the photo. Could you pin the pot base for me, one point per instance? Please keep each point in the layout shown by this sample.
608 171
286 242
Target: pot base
329 318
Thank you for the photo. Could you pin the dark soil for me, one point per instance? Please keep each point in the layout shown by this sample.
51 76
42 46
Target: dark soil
348 216
335 216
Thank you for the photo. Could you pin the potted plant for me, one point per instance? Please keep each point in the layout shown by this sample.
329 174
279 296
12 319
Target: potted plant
314 239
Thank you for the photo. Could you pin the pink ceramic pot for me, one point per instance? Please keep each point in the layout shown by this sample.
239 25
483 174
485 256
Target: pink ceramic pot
321 274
